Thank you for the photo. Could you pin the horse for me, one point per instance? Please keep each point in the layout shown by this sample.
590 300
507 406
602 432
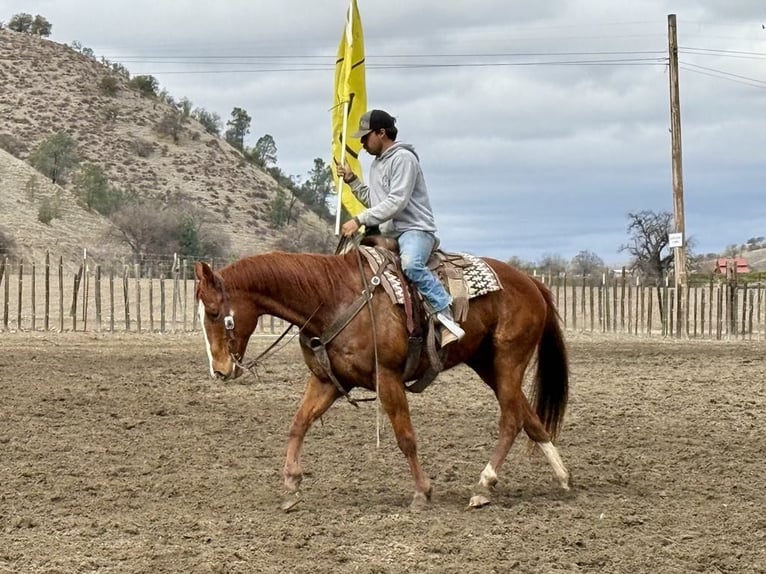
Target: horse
504 330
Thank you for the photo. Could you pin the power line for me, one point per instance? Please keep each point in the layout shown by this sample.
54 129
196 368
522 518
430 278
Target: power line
718 74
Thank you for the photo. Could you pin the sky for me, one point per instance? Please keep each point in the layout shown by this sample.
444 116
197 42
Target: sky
540 125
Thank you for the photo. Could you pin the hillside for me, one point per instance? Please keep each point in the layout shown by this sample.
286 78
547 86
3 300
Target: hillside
49 87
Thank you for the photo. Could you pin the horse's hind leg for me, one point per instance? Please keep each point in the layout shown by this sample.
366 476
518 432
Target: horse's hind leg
317 398
505 379
536 432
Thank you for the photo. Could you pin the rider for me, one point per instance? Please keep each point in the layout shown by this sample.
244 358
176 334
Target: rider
397 200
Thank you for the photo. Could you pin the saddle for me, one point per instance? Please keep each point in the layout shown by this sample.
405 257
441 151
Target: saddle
464 277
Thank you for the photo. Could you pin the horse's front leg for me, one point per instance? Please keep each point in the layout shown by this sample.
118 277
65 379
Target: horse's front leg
317 398
394 400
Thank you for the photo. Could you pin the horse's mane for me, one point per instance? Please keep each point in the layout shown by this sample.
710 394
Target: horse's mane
306 274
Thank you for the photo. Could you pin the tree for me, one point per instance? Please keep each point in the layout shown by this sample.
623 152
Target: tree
552 264
55 157
147 86
264 154
239 127
92 188
21 22
40 27
318 187
209 120
520 263
586 263
648 243
279 211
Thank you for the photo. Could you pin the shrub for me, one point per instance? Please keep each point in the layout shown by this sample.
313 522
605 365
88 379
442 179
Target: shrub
48 210
145 85
7 243
171 125
109 86
142 147
12 145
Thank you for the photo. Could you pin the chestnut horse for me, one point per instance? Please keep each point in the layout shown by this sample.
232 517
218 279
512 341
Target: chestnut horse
503 329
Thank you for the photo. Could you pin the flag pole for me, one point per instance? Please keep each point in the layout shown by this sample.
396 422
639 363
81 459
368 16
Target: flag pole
342 162
346 104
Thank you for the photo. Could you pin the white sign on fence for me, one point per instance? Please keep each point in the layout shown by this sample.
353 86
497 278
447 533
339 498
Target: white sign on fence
675 239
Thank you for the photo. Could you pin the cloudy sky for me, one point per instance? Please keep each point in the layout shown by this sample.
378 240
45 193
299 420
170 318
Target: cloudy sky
540 125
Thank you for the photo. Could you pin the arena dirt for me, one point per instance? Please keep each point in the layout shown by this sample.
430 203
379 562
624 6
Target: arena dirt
120 454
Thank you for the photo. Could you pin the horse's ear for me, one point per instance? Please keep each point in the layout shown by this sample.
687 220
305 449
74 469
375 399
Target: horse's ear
203 272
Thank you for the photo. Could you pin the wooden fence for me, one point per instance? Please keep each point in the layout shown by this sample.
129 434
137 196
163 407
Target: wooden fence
711 307
48 296
112 298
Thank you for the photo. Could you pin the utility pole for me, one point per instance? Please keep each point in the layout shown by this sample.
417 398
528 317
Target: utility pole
679 255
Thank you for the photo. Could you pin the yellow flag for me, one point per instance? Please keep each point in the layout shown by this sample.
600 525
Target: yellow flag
350 100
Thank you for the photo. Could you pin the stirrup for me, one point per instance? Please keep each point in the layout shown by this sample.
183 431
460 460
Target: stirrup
450 331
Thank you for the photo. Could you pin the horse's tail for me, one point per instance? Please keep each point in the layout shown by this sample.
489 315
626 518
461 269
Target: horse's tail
551 391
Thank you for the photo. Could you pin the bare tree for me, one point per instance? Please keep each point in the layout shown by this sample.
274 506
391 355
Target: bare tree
647 246
552 264
649 242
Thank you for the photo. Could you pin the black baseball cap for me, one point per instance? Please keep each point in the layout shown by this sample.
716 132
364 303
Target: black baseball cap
372 121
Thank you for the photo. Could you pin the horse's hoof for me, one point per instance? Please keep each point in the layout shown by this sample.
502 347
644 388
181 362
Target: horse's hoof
478 501
290 501
419 502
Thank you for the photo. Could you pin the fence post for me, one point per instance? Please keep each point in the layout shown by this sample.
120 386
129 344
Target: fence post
574 305
61 294
176 294
21 282
564 288
582 303
126 297
151 299
719 311
5 274
137 274
650 309
76 288
111 300
34 303
744 309
86 285
183 280
46 322
162 301
97 297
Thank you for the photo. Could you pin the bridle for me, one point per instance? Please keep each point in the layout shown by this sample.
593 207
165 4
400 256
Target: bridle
253 364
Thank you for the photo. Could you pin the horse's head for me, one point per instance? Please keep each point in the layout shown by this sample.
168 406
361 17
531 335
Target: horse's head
227 320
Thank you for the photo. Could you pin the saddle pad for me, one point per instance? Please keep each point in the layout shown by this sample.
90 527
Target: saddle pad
479 277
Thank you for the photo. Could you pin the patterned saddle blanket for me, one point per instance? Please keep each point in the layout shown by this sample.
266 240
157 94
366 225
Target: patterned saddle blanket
464 276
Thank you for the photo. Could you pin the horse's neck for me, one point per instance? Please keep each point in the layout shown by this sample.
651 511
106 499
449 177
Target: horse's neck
297 287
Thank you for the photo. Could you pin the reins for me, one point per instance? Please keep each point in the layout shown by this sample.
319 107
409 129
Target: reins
253 364
318 344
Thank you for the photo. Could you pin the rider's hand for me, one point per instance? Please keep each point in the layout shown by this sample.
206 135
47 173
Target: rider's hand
346 173
350 227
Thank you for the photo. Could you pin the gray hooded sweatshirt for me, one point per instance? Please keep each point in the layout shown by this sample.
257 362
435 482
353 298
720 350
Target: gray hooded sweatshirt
396 196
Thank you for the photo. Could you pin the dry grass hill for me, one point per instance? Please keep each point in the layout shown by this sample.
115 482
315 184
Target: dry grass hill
49 87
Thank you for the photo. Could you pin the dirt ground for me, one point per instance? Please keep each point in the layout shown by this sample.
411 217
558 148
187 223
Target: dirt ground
119 454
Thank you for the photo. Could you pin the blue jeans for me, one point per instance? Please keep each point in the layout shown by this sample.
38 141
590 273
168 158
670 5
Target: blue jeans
415 248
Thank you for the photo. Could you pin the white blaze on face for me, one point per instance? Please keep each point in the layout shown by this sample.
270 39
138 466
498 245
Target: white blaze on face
201 312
